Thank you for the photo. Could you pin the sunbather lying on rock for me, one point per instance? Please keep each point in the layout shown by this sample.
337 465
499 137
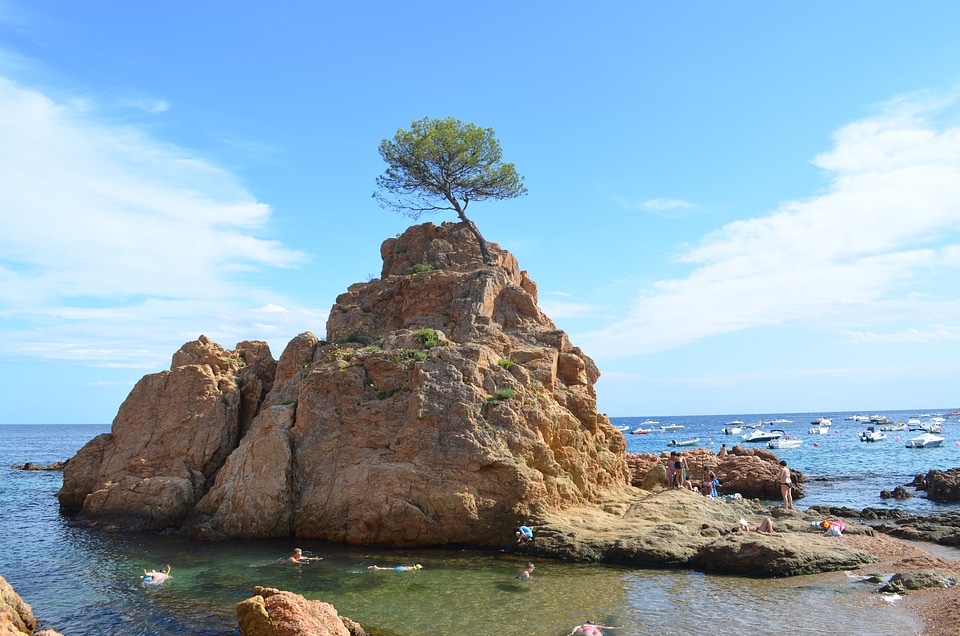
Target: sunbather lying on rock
766 527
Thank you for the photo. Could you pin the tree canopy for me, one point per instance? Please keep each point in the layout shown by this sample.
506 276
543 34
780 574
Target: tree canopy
444 164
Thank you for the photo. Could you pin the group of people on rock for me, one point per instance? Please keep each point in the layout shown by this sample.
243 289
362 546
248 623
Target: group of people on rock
677 477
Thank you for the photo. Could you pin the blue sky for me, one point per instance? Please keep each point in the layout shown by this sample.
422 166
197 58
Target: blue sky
740 207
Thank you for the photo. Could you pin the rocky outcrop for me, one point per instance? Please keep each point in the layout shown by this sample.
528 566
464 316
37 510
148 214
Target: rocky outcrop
271 612
676 528
443 408
32 466
16 616
170 438
943 485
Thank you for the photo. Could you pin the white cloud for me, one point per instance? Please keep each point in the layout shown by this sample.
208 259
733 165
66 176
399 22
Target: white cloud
888 220
664 207
114 242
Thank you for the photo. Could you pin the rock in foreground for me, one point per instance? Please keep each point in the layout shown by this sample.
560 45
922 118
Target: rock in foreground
16 616
271 612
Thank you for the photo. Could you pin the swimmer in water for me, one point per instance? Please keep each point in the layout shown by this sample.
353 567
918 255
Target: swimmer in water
297 557
399 568
155 578
527 573
589 629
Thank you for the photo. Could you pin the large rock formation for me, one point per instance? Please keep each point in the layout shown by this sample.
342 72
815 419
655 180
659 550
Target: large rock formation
444 407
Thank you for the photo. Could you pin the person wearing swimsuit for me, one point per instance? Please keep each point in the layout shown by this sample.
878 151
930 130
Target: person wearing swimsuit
786 485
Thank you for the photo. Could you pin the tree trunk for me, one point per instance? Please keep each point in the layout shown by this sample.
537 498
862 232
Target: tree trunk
484 252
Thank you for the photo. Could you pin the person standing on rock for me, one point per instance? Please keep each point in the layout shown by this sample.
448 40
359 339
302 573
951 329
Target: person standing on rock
786 485
679 471
671 469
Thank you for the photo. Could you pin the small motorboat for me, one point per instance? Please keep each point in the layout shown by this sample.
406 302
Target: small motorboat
693 441
894 428
822 421
858 418
622 428
760 435
731 430
872 435
641 431
927 440
783 441
651 423
782 421
672 427
819 430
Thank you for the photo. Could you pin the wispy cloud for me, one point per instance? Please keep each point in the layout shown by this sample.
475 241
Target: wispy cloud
850 255
673 208
113 240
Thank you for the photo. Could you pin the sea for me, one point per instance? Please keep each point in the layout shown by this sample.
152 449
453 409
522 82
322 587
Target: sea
86 582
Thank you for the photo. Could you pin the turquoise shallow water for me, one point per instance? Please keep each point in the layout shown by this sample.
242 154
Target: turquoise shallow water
84 582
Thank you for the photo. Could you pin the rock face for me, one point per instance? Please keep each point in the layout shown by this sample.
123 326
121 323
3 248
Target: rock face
16 616
445 408
271 612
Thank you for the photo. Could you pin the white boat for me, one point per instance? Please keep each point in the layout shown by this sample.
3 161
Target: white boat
622 428
759 435
927 440
782 421
858 418
693 441
672 427
880 419
894 428
819 430
872 435
732 430
641 431
822 421
651 423
783 441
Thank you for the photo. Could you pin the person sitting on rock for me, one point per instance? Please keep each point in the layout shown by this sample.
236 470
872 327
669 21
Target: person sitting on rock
523 534
766 527
155 578
399 568
297 557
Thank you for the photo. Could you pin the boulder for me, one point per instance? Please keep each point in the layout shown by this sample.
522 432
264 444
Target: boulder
16 616
271 612
943 485
443 408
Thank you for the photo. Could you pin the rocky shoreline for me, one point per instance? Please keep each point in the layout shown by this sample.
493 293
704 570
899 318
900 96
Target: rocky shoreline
442 409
